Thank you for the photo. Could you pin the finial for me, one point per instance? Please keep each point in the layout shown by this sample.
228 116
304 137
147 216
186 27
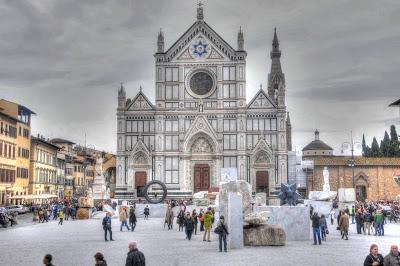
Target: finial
260 86
140 88
200 15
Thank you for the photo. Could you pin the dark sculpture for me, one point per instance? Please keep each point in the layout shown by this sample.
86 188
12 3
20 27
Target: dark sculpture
289 195
155 200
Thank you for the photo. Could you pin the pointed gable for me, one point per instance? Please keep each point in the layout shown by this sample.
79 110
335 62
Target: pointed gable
140 102
261 100
214 48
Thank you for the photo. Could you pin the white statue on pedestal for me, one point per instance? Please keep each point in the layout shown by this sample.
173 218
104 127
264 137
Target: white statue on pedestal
100 191
325 173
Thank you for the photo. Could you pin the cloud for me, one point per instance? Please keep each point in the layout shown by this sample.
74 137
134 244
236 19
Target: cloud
65 60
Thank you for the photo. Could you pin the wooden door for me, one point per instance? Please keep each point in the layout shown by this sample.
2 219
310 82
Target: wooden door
140 182
262 182
201 177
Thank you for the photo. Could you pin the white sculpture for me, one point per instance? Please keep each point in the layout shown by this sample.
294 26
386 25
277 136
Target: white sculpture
100 191
326 194
325 173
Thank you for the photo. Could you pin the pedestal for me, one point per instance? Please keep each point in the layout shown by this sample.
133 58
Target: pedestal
235 221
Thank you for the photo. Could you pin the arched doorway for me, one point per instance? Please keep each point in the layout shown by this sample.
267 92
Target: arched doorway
361 188
262 182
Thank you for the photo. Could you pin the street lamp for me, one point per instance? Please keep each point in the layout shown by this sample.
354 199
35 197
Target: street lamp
351 163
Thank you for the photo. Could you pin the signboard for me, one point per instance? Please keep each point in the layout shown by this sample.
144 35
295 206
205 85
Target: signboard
229 174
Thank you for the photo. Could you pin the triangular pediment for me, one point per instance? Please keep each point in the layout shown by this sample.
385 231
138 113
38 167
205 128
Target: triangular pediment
140 102
260 101
140 147
200 42
262 145
200 127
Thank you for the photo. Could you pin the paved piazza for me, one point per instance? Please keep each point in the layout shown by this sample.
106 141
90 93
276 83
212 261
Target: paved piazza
76 242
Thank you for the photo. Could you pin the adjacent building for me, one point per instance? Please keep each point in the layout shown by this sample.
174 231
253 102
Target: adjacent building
201 122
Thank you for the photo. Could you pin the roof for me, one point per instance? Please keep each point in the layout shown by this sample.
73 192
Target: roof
58 140
45 142
396 103
317 145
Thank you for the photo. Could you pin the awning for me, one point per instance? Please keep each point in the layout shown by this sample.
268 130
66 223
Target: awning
32 197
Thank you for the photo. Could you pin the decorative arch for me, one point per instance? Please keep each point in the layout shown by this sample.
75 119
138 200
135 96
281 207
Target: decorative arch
361 179
200 142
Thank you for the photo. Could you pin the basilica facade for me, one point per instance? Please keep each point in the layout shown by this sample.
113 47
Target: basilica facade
201 122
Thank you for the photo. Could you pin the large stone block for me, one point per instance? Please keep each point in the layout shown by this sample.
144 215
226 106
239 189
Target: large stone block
294 220
239 186
322 207
235 221
347 195
264 235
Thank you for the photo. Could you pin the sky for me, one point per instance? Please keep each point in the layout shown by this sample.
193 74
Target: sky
66 59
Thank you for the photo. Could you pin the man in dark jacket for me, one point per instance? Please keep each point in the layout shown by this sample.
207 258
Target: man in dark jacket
132 219
393 258
189 225
107 226
135 257
316 228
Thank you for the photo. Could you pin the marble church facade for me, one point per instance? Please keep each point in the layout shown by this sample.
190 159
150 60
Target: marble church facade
201 122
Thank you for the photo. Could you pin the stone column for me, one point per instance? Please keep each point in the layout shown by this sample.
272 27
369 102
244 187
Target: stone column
235 221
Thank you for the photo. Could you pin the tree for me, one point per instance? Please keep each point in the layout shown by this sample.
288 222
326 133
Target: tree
364 147
375 151
394 149
385 145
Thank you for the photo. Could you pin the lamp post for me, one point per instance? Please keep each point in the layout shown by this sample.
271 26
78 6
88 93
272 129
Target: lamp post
351 163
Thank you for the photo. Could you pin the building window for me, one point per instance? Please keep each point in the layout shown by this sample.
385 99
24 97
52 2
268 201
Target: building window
214 123
171 74
172 92
230 162
229 125
171 143
171 170
229 90
172 125
229 73
230 142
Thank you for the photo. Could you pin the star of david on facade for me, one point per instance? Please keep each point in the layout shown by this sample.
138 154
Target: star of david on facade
200 49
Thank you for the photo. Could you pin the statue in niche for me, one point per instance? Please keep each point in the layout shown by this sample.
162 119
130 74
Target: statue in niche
262 157
201 145
140 159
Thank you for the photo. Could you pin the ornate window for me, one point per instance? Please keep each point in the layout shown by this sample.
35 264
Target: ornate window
171 143
230 162
171 170
229 125
230 142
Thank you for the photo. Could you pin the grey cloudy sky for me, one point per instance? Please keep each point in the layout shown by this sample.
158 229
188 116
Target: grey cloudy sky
65 59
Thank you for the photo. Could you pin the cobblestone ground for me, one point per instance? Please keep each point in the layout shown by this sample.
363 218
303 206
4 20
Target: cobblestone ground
76 242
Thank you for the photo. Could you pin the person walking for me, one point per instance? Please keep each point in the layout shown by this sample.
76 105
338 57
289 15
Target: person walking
324 227
393 258
359 221
332 215
181 220
132 219
316 228
194 217
123 218
201 220
378 222
374 258
169 217
99 258
146 212
189 225
60 216
352 214
367 222
222 231
208 217
107 226
135 257
344 225
47 260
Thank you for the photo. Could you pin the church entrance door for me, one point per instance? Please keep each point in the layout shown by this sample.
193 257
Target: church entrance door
140 182
201 177
361 193
262 182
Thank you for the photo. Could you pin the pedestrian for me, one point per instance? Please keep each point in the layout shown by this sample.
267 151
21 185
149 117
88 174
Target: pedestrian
60 216
67 212
378 222
323 226
135 257
194 216
189 226
132 219
169 217
359 221
201 220
99 258
316 228
222 231
367 222
107 226
47 260
374 258
123 218
344 225
352 214
181 220
208 217
332 215
146 212
393 258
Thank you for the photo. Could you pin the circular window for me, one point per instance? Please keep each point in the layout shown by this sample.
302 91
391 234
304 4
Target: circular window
201 83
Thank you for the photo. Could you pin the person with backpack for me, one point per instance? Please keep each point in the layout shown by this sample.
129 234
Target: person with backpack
107 226
367 222
222 231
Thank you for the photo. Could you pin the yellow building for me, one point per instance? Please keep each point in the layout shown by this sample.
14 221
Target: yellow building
8 144
22 116
43 167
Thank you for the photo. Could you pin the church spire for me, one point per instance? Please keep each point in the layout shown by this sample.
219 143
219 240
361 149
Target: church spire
160 42
276 78
200 15
121 96
240 40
